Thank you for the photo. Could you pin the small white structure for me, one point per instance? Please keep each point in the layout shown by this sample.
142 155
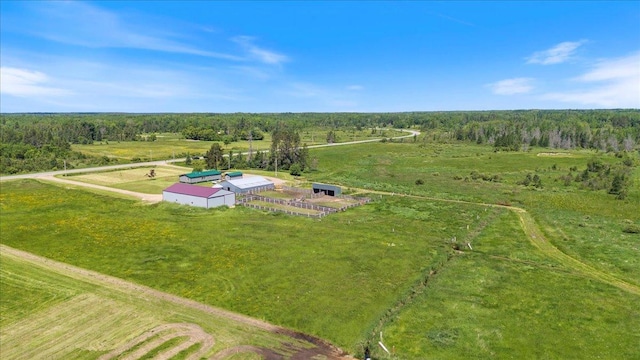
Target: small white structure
200 196
246 185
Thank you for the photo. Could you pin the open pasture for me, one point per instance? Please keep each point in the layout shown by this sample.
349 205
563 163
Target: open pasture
584 223
170 145
279 268
135 179
167 146
390 266
53 311
381 267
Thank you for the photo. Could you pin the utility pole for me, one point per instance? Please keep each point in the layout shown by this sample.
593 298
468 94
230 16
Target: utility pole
65 167
250 145
276 154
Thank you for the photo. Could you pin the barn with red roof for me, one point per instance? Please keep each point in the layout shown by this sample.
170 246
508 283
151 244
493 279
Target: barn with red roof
200 196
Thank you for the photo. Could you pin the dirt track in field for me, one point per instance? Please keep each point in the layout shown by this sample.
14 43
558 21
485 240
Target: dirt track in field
150 198
537 239
318 348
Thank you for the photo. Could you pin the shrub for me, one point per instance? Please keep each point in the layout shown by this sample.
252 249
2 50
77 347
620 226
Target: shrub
295 170
631 229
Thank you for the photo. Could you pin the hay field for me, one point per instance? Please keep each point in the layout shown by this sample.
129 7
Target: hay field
135 179
51 310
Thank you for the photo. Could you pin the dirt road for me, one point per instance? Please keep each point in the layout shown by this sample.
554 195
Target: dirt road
150 198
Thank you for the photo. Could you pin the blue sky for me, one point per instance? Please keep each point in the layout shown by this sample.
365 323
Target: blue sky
128 56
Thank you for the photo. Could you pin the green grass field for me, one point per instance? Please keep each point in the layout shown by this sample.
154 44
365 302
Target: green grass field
49 312
583 223
136 179
388 266
169 145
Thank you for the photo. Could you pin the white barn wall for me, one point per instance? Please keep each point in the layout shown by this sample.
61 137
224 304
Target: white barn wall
184 199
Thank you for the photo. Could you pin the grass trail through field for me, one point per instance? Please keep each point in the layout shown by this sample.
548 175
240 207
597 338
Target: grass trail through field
537 238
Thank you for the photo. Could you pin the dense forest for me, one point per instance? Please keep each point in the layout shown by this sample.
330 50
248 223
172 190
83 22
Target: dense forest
38 142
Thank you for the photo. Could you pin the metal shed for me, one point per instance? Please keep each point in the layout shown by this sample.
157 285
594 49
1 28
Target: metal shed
327 189
233 175
200 196
246 185
200 176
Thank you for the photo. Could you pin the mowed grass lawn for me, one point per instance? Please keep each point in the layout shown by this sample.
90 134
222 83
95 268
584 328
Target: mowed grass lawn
136 179
47 314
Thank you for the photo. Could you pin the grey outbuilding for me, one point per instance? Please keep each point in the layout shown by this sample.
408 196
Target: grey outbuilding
252 184
327 189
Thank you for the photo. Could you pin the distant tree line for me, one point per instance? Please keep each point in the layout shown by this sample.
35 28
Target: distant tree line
37 142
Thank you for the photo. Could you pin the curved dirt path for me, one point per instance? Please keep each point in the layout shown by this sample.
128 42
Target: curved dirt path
537 239
322 349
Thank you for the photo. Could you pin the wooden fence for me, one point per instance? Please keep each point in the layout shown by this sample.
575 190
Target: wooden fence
260 207
245 200
306 193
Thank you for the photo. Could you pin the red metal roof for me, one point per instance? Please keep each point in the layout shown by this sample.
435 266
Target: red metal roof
193 190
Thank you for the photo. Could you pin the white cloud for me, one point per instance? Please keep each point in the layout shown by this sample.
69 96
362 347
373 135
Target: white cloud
262 55
355 87
24 83
82 24
511 86
450 18
557 54
612 83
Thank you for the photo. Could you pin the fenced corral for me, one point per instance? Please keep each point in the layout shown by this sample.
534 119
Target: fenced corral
302 193
305 201
286 211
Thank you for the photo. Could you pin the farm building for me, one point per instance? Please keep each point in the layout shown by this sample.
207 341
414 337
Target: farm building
246 185
233 175
200 176
330 190
200 196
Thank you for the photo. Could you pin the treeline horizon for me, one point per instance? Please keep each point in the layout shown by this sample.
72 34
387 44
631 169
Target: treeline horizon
41 141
